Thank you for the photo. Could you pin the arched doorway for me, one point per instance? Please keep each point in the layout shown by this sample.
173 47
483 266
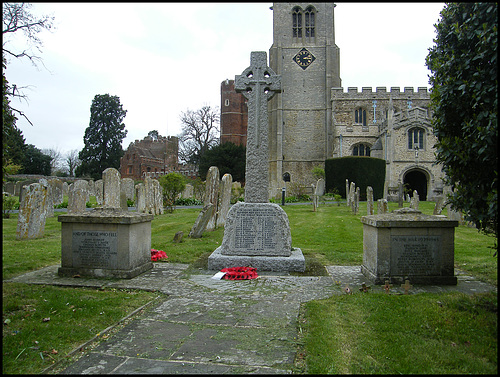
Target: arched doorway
416 180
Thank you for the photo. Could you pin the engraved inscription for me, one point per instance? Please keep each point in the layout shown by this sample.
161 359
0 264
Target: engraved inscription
415 255
255 229
95 249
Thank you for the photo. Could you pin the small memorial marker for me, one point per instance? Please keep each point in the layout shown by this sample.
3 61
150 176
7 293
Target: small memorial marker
406 286
364 288
387 286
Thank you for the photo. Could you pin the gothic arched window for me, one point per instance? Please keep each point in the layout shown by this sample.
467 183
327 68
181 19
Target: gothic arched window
361 150
297 22
416 138
360 116
309 22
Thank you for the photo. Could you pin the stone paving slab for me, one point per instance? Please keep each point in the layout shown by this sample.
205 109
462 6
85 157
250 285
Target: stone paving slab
204 325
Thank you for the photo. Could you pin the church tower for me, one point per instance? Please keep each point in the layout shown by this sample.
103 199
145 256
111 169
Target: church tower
304 53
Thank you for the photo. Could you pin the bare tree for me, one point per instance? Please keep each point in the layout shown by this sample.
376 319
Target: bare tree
200 131
16 17
72 161
56 156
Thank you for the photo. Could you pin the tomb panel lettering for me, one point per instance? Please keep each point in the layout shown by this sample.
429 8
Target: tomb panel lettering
415 255
94 249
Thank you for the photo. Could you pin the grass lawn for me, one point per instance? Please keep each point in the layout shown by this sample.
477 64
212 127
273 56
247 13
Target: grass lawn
424 333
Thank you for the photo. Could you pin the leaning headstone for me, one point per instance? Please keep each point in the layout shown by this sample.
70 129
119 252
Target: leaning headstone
224 199
352 190
111 182
99 191
382 206
201 221
77 196
257 233
212 194
49 202
32 212
25 183
320 187
150 195
140 195
369 201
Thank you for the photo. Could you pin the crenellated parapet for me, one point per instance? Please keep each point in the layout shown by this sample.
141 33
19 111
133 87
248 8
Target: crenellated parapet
380 92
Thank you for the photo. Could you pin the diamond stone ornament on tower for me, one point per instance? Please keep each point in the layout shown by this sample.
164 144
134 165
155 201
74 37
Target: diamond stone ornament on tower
257 233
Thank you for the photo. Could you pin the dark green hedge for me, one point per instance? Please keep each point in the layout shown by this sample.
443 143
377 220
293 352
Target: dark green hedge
363 171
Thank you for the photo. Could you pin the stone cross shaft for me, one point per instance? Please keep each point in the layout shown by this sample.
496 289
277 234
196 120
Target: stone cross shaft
258 83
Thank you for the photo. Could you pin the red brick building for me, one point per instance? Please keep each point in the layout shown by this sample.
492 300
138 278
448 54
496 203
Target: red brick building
233 115
150 156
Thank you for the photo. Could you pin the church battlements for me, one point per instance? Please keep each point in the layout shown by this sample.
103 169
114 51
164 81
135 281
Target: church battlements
380 92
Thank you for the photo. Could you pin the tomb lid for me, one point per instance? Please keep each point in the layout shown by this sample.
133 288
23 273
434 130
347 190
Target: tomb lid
102 215
408 218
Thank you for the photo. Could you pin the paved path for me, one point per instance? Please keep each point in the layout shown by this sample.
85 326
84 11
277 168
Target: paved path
206 326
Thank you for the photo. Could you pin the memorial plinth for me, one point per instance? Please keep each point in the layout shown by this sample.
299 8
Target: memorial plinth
407 244
105 242
257 235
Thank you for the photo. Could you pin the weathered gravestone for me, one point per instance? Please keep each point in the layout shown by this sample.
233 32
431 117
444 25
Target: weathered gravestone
352 190
224 199
440 203
32 212
188 191
99 191
140 195
158 195
369 200
257 233
65 189
57 190
347 192
106 241
318 191
201 221
401 195
212 194
49 201
77 196
408 245
415 200
382 206
127 186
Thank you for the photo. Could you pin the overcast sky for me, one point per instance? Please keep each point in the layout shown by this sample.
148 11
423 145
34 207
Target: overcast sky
162 59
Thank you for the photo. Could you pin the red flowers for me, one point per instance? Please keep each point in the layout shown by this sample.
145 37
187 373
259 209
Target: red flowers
157 254
239 273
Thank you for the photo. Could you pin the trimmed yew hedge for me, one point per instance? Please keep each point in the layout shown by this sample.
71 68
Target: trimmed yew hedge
363 171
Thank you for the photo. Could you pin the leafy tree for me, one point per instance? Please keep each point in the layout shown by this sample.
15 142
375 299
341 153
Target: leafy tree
35 162
464 99
153 134
103 137
173 184
228 157
199 132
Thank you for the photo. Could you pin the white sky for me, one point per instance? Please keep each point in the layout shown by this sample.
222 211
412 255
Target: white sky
162 59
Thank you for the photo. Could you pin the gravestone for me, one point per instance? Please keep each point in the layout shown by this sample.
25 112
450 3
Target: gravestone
212 194
382 206
415 201
65 186
150 195
77 196
188 191
178 236
438 207
201 222
111 192
352 190
224 199
57 190
347 192
257 233
25 183
356 200
49 201
140 195
406 244
400 195
158 197
127 186
369 200
91 188
99 191
318 192
32 212
9 187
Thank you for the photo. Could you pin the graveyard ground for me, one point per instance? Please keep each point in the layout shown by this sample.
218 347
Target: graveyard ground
362 333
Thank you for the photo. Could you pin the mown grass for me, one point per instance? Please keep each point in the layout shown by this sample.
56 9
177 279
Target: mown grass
333 236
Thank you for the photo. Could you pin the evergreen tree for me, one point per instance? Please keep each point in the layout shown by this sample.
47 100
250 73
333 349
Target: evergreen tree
103 137
35 162
464 99
228 157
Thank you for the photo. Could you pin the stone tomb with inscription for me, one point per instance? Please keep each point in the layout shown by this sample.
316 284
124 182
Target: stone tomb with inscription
408 245
105 242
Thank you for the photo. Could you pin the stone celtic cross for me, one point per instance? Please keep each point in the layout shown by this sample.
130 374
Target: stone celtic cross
258 83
